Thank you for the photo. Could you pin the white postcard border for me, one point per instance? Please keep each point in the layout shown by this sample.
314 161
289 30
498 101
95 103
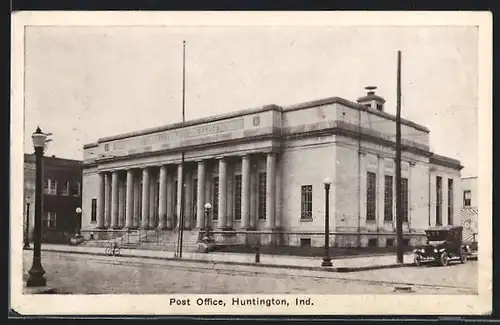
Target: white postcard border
323 304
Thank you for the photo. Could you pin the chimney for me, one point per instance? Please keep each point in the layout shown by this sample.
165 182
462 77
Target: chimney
371 100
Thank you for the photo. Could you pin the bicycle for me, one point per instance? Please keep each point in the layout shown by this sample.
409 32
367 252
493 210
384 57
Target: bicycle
113 249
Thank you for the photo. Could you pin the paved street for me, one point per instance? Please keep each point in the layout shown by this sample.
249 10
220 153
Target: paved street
89 274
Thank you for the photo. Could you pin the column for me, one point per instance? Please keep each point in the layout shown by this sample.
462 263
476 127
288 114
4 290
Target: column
270 189
253 197
107 200
200 212
137 201
188 200
145 199
162 207
129 208
121 204
114 200
179 192
221 222
245 191
100 202
152 200
209 179
230 196
170 201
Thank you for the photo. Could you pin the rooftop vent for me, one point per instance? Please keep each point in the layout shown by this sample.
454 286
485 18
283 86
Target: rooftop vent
371 100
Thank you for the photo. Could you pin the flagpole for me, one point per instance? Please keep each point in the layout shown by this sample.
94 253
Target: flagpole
181 210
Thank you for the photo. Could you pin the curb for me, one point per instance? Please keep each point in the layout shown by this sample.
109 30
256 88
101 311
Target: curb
278 266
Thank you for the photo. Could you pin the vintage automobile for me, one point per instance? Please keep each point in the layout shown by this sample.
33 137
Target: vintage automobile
444 243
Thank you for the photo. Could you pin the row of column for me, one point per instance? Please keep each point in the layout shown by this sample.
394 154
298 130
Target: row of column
116 202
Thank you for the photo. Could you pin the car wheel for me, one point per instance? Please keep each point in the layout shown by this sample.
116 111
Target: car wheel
463 257
444 258
417 259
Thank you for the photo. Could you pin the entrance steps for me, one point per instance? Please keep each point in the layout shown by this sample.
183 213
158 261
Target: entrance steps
153 239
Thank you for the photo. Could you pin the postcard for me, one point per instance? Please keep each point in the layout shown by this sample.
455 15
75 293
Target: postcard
251 163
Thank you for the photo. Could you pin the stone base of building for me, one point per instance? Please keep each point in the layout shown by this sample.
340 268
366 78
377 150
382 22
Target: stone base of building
253 238
378 240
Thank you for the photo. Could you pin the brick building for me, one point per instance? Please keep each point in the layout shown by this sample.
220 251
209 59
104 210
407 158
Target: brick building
469 211
61 196
263 170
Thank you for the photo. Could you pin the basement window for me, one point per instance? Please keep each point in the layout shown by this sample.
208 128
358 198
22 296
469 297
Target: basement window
305 242
372 242
389 242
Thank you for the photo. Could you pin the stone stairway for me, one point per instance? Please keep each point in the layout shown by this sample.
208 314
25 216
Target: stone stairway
150 239
169 240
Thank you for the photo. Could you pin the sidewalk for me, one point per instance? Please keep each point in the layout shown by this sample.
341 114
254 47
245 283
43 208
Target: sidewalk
278 261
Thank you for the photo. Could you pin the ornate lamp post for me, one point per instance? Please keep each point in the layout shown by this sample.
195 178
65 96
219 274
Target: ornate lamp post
78 220
36 278
208 206
27 231
327 261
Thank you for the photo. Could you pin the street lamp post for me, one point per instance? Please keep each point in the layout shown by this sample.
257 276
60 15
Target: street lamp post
208 206
36 278
78 220
327 261
27 231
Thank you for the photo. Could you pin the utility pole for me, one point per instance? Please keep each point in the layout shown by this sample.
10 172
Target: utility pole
399 207
181 181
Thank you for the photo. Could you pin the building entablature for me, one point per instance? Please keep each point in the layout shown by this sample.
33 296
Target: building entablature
257 130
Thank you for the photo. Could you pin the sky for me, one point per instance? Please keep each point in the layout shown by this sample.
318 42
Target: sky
84 83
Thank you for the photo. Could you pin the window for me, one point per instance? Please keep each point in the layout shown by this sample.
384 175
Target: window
372 242
237 197
139 200
215 205
306 202
49 220
439 194
176 184
157 199
53 187
50 186
389 242
371 196
305 242
262 195
65 188
75 190
388 201
467 198
380 107
450 201
93 214
195 199
46 186
404 198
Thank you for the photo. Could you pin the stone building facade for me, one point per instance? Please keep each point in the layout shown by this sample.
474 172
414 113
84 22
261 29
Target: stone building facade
263 169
